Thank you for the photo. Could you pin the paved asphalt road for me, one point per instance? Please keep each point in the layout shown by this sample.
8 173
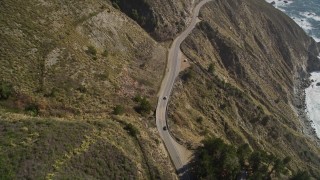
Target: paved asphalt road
180 156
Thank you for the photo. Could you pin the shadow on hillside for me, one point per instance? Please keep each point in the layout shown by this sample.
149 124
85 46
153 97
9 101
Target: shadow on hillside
187 172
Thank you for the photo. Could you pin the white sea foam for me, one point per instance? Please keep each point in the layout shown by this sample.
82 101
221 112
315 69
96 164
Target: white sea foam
281 9
317 40
305 20
310 15
280 3
304 23
313 101
301 21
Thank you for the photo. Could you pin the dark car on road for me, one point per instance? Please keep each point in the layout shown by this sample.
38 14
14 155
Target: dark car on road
164 128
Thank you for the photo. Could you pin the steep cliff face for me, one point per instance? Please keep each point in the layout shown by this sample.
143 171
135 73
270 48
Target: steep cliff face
248 59
172 17
162 19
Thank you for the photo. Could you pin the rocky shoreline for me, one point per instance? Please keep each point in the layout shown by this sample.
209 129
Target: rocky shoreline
300 105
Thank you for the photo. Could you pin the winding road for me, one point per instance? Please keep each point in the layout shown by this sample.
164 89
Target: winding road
180 156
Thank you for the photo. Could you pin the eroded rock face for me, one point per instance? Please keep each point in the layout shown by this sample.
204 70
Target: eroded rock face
163 19
172 17
314 57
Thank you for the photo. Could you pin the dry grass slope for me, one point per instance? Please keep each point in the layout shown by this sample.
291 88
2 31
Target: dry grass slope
76 61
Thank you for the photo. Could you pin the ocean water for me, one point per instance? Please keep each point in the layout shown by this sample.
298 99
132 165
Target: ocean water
306 13
313 101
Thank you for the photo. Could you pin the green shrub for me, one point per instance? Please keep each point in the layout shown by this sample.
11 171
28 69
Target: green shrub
265 120
6 171
144 106
6 90
118 110
223 106
199 119
133 131
137 98
33 109
105 53
301 175
51 93
91 51
135 14
211 68
102 76
187 75
115 5
82 89
218 160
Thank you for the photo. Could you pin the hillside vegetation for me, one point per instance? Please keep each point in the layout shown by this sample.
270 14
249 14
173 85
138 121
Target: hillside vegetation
69 72
247 64
79 83
218 160
33 148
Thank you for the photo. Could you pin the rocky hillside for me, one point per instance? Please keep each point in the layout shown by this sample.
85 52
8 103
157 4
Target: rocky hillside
249 62
69 73
79 82
163 19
